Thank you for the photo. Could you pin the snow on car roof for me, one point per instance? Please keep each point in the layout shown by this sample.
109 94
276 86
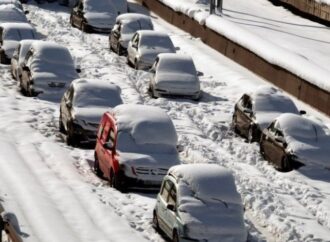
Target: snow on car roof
208 182
128 17
10 13
18 31
270 99
98 6
176 63
300 127
16 25
147 124
152 33
89 92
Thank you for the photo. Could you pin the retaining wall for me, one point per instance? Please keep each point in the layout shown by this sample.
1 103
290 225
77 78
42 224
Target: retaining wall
302 89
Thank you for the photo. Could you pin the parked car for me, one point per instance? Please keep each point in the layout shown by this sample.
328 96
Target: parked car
174 75
82 107
294 139
144 47
199 202
9 13
18 57
10 35
255 111
124 29
135 146
16 3
96 15
47 70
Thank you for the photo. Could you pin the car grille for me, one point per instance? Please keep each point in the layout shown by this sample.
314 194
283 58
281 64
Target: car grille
151 171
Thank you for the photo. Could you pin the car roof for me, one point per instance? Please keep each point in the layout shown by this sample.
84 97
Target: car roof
152 33
13 25
129 17
83 84
147 124
207 181
10 13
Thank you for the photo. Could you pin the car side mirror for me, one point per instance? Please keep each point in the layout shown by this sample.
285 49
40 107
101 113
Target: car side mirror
26 12
78 70
108 145
177 48
200 73
302 112
170 207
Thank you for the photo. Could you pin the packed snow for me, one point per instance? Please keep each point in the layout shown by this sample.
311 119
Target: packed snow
55 195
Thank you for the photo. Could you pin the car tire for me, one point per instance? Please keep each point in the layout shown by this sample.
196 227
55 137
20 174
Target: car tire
286 164
96 167
155 221
251 135
114 181
71 138
175 237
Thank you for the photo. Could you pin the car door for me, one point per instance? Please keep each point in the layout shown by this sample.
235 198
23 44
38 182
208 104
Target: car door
162 201
132 48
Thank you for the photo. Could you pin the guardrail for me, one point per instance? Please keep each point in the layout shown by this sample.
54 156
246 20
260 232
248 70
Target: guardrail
284 79
8 232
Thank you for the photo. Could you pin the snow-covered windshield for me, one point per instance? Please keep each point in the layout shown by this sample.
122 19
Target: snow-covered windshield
162 42
173 65
98 6
18 34
132 27
97 97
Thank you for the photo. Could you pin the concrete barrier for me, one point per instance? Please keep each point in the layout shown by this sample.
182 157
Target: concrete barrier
300 88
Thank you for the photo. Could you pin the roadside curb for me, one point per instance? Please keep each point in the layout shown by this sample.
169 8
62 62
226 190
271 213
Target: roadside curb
284 79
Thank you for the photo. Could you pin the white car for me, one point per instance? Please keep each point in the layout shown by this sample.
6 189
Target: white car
174 75
47 70
19 56
126 26
96 15
82 107
9 13
10 35
294 140
144 47
199 202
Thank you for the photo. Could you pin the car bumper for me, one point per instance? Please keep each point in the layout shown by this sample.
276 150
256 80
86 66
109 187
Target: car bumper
166 93
84 136
136 182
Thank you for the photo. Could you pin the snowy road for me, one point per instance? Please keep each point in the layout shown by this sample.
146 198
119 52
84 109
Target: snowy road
48 179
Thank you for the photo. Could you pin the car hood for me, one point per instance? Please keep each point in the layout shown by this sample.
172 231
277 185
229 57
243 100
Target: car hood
149 54
213 221
264 119
101 20
177 80
9 47
313 152
89 117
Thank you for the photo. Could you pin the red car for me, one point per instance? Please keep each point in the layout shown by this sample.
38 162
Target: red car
135 146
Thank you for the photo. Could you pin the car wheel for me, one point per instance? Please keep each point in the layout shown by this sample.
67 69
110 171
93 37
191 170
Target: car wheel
251 135
175 237
286 163
155 221
96 167
71 138
114 181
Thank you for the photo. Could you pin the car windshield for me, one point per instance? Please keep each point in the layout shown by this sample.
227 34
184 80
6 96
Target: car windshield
177 66
274 103
18 34
163 42
98 6
132 27
97 97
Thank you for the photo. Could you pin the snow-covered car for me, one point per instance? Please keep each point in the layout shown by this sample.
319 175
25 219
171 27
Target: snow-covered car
18 57
9 13
124 29
199 202
135 147
47 70
82 107
255 111
292 139
10 35
96 15
16 3
174 75
144 47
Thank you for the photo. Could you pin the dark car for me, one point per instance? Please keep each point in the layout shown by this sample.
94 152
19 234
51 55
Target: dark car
96 15
82 107
255 111
295 140
126 26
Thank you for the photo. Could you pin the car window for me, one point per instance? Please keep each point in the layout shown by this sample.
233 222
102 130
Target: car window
172 196
166 189
106 129
111 137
